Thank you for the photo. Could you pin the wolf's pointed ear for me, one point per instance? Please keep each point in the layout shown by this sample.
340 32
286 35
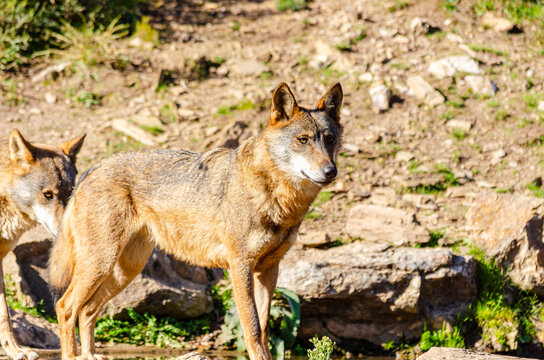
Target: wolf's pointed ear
283 104
72 147
20 151
331 101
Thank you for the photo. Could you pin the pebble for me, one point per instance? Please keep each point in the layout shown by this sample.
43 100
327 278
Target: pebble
380 96
481 85
424 91
50 98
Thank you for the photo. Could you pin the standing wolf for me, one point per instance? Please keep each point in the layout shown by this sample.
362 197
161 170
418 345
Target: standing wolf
237 209
35 184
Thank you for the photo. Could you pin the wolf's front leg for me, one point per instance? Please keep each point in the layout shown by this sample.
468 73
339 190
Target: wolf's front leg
242 283
265 284
12 349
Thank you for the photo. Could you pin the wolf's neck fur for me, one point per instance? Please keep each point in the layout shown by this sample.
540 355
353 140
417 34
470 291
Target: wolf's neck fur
279 198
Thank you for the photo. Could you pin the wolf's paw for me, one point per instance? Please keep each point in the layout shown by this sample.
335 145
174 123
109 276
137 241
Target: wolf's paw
21 354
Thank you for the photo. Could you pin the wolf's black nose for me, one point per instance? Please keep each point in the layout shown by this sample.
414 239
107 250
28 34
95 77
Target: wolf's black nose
330 171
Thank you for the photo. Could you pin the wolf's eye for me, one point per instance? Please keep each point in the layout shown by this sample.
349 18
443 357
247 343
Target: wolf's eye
303 140
48 194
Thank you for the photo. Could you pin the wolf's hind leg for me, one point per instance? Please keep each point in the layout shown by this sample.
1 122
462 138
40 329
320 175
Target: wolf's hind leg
12 349
130 263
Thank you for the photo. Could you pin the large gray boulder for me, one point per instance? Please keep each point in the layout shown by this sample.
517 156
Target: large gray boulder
166 287
509 228
371 292
33 331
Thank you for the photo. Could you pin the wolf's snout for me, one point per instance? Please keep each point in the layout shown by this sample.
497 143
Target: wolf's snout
330 171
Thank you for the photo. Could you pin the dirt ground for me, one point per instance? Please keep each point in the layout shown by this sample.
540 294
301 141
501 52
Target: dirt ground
217 62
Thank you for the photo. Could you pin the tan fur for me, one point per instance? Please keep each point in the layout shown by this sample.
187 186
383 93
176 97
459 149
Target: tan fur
237 209
26 172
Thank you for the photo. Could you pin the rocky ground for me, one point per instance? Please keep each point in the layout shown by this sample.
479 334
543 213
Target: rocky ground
443 114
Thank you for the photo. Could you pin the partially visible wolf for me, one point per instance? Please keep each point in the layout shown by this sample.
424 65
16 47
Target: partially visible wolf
35 184
237 209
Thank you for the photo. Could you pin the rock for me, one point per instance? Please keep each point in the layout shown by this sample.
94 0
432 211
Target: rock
33 331
50 98
404 156
248 67
481 85
147 120
380 96
443 353
320 61
133 131
459 124
420 26
313 239
57 68
541 105
163 290
384 224
424 91
449 66
194 355
509 228
26 269
365 77
368 292
233 134
497 23
187 114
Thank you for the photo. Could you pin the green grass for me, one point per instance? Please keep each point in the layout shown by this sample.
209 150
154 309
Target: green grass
459 134
487 49
89 99
398 5
436 188
493 103
146 329
448 115
313 215
457 104
435 236
113 147
322 198
244 104
293 5
441 338
17 304
536 189
154 130
501 114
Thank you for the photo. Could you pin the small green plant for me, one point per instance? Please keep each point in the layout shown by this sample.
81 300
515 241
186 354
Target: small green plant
493 103
167 113
487 49
145 31
89 99
154 130
322 349
344 46
146 329
243 104
501 114
322 198
536 189
442 338
9 92
123 143
293 5
398 5
459 134
18 304
312 214
235 25
448 115
449 5
434 237
457 104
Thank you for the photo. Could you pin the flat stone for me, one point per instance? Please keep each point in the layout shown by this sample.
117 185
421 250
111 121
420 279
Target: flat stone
384 224
424 91
380 96
451 65
50 98
509 228
442 353
459 124
248 67
481 85
541 105
366 291
404 156
497 23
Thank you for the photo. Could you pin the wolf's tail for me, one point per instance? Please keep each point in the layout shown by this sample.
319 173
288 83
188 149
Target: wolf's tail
61 263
